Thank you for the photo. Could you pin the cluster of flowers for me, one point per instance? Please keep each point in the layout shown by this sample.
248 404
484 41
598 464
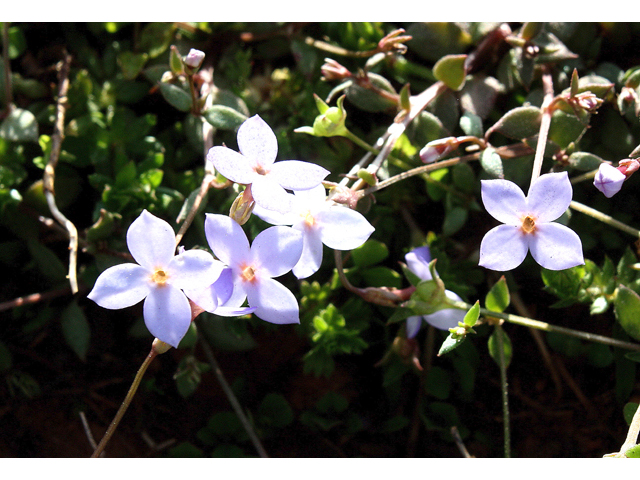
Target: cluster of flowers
176 288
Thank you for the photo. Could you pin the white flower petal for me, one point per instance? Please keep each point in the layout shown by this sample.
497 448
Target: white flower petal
273 301
413 325
418 262
257 141
297 175
313 198
232 165
447 318
226 239
311 257
273 217
504 200
193 269
550 196
151 241
503 248
234 312
270 195
167 314
205 298
556 247
276 250
342 228
121 286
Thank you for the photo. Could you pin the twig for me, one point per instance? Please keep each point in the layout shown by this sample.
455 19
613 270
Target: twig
125 404
231 396
87 431
632 435
545 123
592 212
204 188
33 298
50 171
456 437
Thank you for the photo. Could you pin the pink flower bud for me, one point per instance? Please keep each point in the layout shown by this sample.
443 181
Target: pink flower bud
628 166
194 58
609 180
432 151
332 70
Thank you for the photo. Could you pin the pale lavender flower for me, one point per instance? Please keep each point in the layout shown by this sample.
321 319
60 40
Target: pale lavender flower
529 224
213 298
255 166
418 262
609 180
274 252
321 222
158 279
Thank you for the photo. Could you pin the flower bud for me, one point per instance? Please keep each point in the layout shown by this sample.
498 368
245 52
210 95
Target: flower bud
394 41
330 122
432 151
242 206
588 101
628 166
608 180
159 346
332 70
194 59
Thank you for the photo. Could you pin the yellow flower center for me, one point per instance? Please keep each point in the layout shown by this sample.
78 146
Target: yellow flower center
159 277
309 220
528 224
248 273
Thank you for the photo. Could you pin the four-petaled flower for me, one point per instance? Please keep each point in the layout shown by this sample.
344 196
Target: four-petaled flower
418 262
320 221
528 224
609 180
158 279
274 252
255 166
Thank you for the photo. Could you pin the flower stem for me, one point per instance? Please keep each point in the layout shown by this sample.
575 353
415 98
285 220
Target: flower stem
592 212
125 404
545 123
547 327
632 435
505 392
231 396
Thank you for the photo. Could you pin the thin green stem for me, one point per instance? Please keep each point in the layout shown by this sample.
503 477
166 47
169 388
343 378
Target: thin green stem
547 327
125 404
505 392
604 218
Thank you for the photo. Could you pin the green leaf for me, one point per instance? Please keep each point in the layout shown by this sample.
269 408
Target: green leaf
223 117
76 330
627 310
498 298
155 38
19 126
519 123
5 358
584 161
131 63
450 71
368 99
438 383
454 220
493 345
450 343
17 42
633 452
369 253
565 128
176 96
629 411
276 411
473 314
491 162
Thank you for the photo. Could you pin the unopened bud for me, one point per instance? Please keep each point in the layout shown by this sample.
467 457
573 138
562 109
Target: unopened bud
242 206
608 180
432 151
194 58
628 166
332 70
159 346
587 101
394 41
